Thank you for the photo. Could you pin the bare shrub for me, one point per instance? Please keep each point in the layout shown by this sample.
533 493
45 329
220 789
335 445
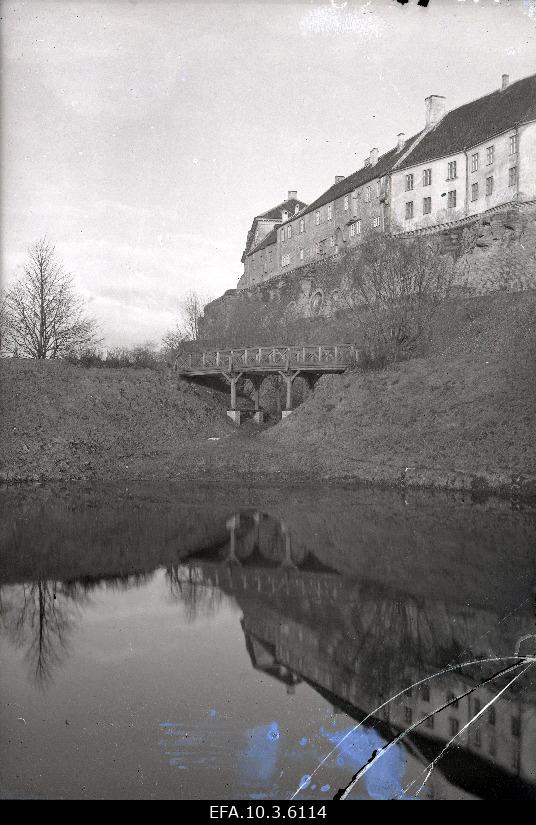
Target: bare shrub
398 284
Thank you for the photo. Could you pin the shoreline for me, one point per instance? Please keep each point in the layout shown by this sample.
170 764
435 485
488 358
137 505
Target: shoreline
479 484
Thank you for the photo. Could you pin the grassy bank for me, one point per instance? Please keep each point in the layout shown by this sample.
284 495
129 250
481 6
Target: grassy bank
463 417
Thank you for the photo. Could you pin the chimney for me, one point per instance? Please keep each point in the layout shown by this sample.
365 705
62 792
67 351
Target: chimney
373 157
435 109
401 139
338 178
505 80
292 194
366 162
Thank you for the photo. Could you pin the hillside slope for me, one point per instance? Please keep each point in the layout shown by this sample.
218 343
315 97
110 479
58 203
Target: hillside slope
469 407
58 421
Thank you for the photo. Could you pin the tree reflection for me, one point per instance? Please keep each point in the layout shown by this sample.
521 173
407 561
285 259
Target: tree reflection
199 596
40 616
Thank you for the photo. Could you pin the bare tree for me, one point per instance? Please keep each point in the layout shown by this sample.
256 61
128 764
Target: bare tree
192 307
46 318
399 284
3 322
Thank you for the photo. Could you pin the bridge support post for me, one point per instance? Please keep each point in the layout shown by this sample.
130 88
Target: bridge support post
289 379
258 415
233 413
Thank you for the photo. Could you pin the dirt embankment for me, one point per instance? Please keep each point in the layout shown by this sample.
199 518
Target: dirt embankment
462 418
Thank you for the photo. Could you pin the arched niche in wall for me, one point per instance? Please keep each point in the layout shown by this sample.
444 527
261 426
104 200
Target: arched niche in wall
317 301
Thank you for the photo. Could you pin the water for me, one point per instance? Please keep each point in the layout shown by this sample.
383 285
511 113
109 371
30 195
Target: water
221 643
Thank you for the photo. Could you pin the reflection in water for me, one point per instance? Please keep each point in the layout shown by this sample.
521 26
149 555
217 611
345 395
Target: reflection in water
355 602
38 617
303 621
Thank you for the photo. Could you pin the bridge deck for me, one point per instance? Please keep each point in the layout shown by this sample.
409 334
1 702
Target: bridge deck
334 359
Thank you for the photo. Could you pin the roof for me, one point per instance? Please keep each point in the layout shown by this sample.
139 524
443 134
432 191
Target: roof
290 205
477 121
270 238
273 214
367 173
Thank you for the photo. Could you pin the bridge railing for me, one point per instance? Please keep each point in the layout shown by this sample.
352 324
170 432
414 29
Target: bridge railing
281 357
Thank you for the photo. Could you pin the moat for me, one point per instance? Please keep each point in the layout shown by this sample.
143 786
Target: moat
219 643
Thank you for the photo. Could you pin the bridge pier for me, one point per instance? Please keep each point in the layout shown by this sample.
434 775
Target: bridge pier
233 413
289 379
258 415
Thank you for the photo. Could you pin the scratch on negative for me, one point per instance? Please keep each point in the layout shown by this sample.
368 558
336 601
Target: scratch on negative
344 792
396 696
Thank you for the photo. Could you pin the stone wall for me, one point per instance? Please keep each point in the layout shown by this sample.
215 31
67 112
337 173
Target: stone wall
494 252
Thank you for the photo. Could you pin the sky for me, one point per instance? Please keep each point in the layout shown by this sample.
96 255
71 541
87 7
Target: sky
143 136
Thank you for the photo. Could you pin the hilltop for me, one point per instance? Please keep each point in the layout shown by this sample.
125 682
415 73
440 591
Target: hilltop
462 417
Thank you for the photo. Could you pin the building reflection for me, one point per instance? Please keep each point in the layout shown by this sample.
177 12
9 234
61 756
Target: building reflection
358 643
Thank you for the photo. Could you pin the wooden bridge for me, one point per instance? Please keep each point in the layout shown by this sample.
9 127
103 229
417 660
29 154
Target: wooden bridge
256 363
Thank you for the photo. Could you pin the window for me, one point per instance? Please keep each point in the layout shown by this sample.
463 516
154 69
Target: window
408 715
289 231
513 145
512 176
454 726
367 194
490 152
474 191
302 225
285 260
489 186
409 183
450 698
378 187
301 254
451 170
409 210
282 235
516 726
474 162
352 230
427 177
317 217
426 206
332 240
346 203
318 250
358 227
451 199
425 693
377 221
330 211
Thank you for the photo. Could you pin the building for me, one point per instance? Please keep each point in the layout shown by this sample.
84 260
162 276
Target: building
462 164
258 257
